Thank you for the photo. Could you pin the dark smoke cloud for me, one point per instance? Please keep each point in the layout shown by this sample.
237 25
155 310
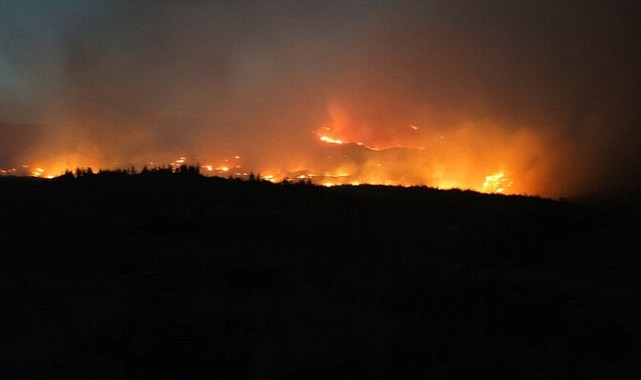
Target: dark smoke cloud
131 82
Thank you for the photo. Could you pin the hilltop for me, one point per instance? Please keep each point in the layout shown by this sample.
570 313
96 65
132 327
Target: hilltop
170 275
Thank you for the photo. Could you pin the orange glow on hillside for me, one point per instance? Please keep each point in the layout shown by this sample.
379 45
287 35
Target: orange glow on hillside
458 168
406 170
476 155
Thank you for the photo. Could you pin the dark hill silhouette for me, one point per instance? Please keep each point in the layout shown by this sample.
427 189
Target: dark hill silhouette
170 274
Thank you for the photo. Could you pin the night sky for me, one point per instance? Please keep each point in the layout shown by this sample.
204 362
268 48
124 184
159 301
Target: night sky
440 93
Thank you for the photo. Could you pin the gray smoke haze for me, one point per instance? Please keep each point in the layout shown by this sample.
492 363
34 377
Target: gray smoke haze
551 89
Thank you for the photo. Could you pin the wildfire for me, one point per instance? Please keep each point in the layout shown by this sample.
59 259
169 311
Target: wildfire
376 174
325 135
496 183
330 140
465 157
37 172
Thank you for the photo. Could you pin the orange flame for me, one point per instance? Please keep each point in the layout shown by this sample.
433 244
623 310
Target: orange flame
331 140
480 156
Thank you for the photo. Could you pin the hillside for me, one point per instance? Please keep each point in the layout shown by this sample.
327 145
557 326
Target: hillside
175 276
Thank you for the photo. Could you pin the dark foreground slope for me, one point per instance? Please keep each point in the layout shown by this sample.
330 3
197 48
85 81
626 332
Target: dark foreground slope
183 277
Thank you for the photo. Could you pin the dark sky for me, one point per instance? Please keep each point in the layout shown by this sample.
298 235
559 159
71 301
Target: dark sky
547 92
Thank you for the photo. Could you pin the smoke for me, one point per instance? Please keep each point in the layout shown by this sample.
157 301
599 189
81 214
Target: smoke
446 92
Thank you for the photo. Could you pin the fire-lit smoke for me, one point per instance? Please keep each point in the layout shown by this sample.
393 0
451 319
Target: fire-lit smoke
479 155
525 98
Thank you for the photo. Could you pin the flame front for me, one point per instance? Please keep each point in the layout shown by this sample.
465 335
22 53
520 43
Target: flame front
400 168
331 140
479 156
